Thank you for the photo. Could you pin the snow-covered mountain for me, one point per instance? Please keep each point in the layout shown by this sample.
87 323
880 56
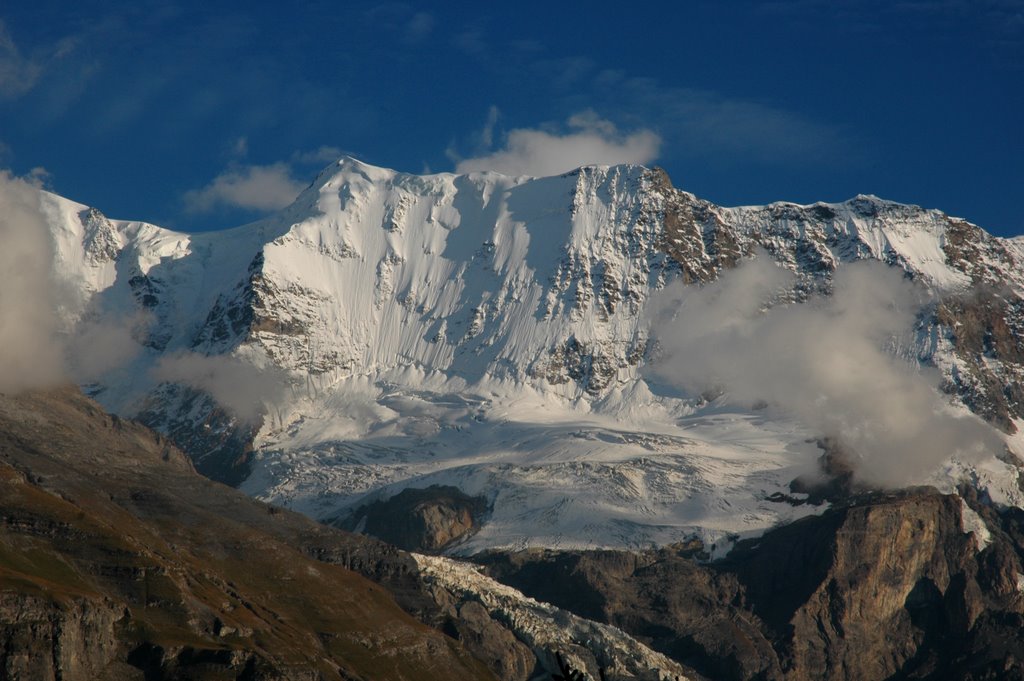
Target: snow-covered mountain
392 331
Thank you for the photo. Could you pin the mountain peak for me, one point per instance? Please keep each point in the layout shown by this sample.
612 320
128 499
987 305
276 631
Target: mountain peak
493 334
351 164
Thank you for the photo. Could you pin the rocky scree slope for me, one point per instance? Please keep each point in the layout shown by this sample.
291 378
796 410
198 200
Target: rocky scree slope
416 331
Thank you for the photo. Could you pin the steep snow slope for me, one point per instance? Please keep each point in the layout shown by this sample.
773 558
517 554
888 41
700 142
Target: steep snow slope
488 332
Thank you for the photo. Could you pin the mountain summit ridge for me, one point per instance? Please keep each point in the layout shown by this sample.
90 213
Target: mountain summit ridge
489 333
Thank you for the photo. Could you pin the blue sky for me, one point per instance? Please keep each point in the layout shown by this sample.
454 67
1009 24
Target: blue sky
198 117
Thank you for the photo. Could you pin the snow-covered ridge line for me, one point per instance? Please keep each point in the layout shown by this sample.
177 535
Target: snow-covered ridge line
488 332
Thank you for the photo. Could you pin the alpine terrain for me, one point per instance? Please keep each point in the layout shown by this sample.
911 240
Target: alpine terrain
478 350
623 433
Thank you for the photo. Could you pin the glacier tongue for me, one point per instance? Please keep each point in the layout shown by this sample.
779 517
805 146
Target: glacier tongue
487 332
549 630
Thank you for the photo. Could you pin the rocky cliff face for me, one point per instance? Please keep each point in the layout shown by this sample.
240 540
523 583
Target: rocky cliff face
70 638
899 586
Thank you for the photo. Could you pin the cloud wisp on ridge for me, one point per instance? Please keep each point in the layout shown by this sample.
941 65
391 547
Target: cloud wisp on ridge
586 139
249 187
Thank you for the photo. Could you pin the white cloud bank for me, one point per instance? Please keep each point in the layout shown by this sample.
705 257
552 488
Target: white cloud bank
828 362
35 351
30 355
590 140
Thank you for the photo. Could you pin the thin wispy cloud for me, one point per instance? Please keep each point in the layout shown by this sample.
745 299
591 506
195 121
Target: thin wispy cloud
487 133
240 147
586 139
420 26
411 25
471 41
104 342
239 386
693 123
318 157
18 73
710 126
39 177
54 72
1001 20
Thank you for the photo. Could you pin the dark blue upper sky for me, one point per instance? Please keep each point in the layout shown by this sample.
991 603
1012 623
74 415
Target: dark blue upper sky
198 117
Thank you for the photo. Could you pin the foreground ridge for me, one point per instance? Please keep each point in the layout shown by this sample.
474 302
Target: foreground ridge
117 561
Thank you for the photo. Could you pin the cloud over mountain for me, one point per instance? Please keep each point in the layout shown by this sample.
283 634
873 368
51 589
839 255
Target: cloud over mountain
31 356
831 362
250 187
587 139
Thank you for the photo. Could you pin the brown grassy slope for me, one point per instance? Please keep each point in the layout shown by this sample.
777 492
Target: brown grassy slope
118 560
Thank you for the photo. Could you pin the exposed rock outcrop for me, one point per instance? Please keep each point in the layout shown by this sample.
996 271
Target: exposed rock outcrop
892 586
470 623
51 636
429 520
219 443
